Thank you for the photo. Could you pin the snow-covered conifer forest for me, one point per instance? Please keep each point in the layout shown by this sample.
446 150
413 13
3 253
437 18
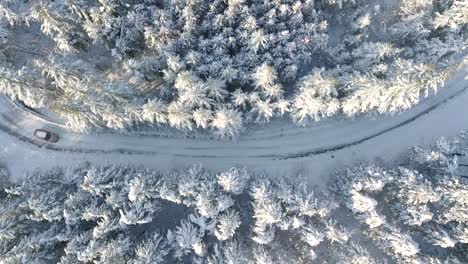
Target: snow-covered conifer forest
216 66
112 111
414 212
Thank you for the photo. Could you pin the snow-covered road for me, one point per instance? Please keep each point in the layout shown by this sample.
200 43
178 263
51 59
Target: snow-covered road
278 147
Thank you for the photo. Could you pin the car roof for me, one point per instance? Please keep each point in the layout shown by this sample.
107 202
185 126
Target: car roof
41 133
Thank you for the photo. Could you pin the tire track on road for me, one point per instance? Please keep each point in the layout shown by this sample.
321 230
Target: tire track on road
14 132
343 146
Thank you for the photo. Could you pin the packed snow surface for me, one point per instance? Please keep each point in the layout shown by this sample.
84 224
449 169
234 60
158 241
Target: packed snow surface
278 148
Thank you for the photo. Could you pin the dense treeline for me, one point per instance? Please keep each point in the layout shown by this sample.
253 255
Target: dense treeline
368 214
218 65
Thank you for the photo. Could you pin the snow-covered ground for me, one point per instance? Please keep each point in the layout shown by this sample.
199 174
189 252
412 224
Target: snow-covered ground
277 148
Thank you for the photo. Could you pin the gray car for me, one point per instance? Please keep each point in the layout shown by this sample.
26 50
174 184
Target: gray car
46 135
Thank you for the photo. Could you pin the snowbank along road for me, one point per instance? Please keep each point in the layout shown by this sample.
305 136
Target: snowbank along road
271 147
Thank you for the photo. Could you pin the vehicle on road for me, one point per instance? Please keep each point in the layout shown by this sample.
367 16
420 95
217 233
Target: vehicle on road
46 135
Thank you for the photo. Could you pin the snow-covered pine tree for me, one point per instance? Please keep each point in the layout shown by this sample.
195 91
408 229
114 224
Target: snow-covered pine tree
454 17
154 111
25 85
152 251
234 180
227 123
58 24
317 98
227 225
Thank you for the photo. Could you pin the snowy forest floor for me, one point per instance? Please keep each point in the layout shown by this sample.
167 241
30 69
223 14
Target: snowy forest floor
277 148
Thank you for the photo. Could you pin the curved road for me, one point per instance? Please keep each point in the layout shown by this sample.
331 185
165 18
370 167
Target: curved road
275 141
